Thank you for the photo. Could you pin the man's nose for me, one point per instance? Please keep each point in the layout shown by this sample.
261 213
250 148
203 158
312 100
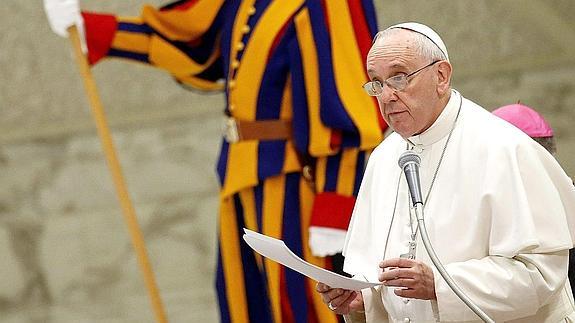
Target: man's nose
388 94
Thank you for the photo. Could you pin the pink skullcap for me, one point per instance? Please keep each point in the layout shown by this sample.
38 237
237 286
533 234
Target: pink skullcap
526 119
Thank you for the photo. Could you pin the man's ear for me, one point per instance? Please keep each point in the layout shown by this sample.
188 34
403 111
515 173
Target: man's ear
443 77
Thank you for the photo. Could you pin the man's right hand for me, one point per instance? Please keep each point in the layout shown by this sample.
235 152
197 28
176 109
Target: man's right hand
340 301
62 14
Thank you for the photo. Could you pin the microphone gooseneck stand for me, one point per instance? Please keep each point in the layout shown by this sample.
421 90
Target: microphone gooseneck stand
409 163
441 269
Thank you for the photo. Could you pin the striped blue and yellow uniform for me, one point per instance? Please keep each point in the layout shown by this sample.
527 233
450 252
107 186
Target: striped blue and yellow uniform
293 60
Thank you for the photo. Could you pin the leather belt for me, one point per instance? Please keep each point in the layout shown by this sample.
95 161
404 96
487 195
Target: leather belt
236 130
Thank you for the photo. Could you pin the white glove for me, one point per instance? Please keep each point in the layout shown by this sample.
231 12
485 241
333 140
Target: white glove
65 13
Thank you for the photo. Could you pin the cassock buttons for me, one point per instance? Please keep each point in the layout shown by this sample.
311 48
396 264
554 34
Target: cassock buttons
240 46
246 29
251 10
407 320
235 64
231 85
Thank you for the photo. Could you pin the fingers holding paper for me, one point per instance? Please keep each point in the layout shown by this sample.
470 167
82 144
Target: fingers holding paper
412 278
340 301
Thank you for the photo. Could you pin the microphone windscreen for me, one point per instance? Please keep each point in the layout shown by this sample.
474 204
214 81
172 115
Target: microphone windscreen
408 156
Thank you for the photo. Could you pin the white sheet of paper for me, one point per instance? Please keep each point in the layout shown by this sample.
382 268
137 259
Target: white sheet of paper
277 251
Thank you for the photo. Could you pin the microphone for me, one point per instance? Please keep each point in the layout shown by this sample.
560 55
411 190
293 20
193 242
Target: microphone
409 162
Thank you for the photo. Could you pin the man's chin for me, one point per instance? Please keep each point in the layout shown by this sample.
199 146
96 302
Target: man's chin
402 132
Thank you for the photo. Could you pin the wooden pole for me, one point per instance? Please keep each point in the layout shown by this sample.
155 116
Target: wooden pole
116 171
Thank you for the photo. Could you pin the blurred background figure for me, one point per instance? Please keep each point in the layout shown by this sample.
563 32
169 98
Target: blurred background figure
535 126
530 122
298 126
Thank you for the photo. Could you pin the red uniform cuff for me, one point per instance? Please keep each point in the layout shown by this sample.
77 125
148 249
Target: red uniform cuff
332 210
100 31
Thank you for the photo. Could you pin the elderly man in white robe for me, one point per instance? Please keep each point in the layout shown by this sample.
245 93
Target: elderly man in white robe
500 211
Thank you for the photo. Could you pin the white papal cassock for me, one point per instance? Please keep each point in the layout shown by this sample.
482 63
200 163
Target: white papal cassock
500 215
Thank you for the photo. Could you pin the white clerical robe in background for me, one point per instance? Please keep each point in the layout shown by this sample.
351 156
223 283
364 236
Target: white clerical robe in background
500 215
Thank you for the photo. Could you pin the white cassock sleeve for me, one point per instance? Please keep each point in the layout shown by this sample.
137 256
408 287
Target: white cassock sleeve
530 203
361 248
374 310
505 288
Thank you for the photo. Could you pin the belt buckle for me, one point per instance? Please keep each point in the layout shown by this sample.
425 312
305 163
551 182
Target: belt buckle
231 133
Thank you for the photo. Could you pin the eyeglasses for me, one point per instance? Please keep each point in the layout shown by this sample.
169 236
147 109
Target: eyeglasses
398 82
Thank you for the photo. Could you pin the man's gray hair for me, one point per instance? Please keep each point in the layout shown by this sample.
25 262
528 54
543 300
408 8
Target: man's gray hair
423 45
548 143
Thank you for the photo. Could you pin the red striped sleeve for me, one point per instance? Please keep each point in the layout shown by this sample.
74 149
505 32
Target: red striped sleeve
363 37
100 31
182 5
362 34
332 210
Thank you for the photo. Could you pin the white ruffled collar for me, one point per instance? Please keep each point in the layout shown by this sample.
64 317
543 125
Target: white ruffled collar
442 126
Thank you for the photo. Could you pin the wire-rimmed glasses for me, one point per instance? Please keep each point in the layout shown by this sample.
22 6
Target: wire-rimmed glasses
397 82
